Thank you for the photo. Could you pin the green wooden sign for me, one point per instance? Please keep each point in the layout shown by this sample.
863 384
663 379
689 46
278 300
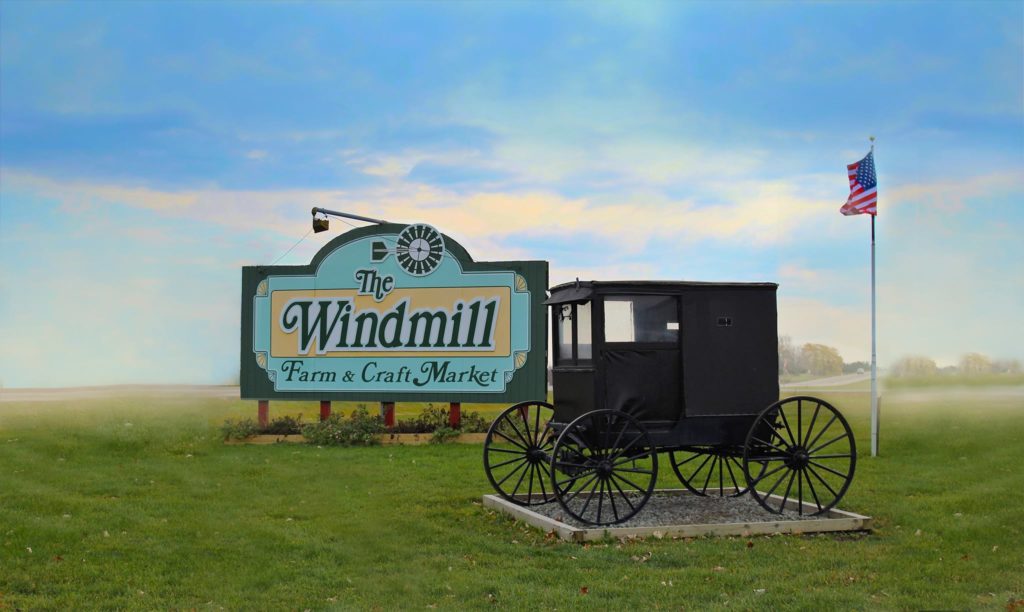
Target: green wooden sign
395 312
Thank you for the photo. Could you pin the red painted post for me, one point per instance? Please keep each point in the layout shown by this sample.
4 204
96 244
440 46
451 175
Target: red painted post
325 409
264 413
387 410
455 415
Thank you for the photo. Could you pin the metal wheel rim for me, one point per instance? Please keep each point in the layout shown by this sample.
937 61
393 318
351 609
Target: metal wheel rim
517 450
582 470
824 456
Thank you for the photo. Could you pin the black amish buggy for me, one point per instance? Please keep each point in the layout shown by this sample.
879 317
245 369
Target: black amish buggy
685 371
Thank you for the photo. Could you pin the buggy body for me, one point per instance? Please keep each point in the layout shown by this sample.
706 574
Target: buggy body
686 370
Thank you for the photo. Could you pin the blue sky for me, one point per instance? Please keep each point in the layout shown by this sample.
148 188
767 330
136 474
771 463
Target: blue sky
149 150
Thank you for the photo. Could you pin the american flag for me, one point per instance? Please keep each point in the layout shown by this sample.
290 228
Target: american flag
863 188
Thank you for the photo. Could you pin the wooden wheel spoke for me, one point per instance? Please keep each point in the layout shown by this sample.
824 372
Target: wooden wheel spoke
754 481
504 463
520 481
612 479
775 486
829 443
822 481
835 416
541 477
814 494
800 492
526 427
789 487
590 497
510 474
536 426
732 476
827 469
799 421
634 471
785 423
630 482
579 490
700 467
711 472
628 446
578 475
760 441
576 439
814 417
521 452
504 435
529 487
689 459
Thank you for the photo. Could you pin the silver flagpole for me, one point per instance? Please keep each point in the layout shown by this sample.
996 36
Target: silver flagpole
874 357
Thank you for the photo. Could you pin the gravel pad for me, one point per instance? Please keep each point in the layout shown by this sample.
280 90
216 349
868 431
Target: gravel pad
664 509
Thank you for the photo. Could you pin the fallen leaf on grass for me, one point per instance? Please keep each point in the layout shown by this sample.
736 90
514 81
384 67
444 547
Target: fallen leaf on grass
584 590
718 568
750 544
918 532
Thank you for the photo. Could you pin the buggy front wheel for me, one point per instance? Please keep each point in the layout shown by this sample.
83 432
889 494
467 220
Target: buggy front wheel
604 467
517 450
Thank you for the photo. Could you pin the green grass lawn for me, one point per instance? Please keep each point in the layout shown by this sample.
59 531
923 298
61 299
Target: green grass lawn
136 503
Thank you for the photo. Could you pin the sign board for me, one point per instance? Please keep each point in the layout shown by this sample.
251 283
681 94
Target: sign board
395 312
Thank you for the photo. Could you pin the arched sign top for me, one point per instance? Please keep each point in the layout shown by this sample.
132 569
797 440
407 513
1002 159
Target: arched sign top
392 312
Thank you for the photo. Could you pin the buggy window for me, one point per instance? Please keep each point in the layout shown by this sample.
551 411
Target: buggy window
564 328
572 328
584 345
641 318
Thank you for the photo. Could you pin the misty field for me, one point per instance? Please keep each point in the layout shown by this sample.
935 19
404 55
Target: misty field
134 502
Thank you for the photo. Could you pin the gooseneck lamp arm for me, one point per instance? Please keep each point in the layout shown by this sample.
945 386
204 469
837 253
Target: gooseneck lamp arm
335 213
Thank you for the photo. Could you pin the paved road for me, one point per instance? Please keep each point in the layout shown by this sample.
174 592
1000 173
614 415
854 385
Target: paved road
832 381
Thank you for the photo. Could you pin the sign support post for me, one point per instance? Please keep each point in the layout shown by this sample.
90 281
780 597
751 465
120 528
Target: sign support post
263 413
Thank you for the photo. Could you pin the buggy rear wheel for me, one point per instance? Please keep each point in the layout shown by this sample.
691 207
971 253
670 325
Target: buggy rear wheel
517 450
710 470
604 467
799 450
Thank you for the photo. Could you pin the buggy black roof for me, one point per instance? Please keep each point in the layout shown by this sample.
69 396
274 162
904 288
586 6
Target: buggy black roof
579 291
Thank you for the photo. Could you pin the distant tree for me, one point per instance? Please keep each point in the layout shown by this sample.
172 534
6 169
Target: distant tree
975 363
913 366
788 356
1006 366
821 360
